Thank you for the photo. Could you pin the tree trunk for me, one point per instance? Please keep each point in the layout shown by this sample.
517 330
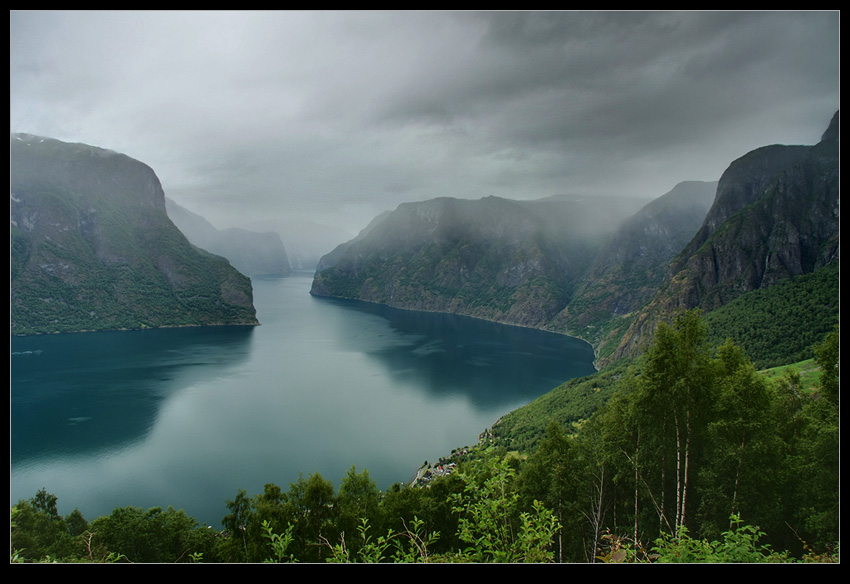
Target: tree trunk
687 462
738 479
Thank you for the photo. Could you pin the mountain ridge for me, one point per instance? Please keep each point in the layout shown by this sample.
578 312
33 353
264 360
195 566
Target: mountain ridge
251 252
772 215
781 214
516 262
92 248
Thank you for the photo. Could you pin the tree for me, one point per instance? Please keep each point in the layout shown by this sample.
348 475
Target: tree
36 534
816 455
492 524
153 535
358 498
311 504
46 503
743 450
674 397
77 524
552 475
235 543
827 356
431 506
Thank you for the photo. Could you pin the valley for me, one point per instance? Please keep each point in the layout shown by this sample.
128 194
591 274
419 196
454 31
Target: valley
675 431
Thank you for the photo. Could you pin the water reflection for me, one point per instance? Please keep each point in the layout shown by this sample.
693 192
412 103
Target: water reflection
488 363
84 392
186 417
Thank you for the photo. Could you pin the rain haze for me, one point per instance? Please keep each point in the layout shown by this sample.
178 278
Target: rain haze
253 118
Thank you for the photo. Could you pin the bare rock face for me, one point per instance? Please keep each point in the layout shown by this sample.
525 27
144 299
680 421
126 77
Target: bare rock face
775 217
253 253
517 262
93 249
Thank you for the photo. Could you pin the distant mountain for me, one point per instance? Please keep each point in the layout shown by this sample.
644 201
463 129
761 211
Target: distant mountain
250 252
515 262
775 217
92 248
329 260
603 269
306 241
626 272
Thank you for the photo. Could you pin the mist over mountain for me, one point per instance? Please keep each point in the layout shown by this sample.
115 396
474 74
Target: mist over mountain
776 216
92 248
626 272
578 266
307 241
516 262
250 252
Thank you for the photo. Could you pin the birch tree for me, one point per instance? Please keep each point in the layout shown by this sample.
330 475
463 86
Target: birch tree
673 401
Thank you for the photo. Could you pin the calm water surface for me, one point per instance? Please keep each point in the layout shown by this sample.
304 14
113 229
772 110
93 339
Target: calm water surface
186 417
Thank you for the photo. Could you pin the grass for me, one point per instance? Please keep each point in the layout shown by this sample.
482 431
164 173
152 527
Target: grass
808 370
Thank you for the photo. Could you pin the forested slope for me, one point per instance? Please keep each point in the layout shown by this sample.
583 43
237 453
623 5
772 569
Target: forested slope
93 249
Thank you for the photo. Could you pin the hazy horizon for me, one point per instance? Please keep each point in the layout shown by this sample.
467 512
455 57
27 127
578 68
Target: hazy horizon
256 118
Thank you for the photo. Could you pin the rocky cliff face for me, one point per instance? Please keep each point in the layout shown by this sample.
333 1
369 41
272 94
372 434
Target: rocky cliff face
92 247
507 261
626 272
775 217
252 253
452 256
550 264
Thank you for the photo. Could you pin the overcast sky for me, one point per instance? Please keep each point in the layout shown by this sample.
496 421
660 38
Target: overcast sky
342 115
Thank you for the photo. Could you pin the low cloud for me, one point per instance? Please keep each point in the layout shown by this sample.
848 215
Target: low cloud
338 116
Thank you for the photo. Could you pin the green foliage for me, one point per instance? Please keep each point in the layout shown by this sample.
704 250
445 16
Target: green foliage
46 503
828 356
739 544
568 404
38 535
357 500
410 546
279 543
782 323
689 436
688 439
153 535
492 523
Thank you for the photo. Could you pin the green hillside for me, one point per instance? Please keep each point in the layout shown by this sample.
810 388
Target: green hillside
91 248
780 324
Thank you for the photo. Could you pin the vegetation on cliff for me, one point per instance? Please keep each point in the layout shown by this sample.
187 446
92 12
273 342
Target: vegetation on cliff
93 249
680 449
695 457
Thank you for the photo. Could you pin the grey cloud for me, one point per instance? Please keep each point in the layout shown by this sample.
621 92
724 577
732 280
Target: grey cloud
341 115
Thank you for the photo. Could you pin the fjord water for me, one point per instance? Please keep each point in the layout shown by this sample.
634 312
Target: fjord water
186 417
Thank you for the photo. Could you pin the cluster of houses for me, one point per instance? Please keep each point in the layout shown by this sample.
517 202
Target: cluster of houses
427 473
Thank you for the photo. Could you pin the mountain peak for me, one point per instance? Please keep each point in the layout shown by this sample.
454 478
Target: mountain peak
93 249
831 133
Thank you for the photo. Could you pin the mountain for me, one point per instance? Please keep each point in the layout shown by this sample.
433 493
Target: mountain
604 269
626 272
250 252
307 241
92 248
516 262
775 216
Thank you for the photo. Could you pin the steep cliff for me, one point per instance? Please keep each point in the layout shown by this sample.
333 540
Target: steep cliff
507 261
92 248
775 216
626 272
253 253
